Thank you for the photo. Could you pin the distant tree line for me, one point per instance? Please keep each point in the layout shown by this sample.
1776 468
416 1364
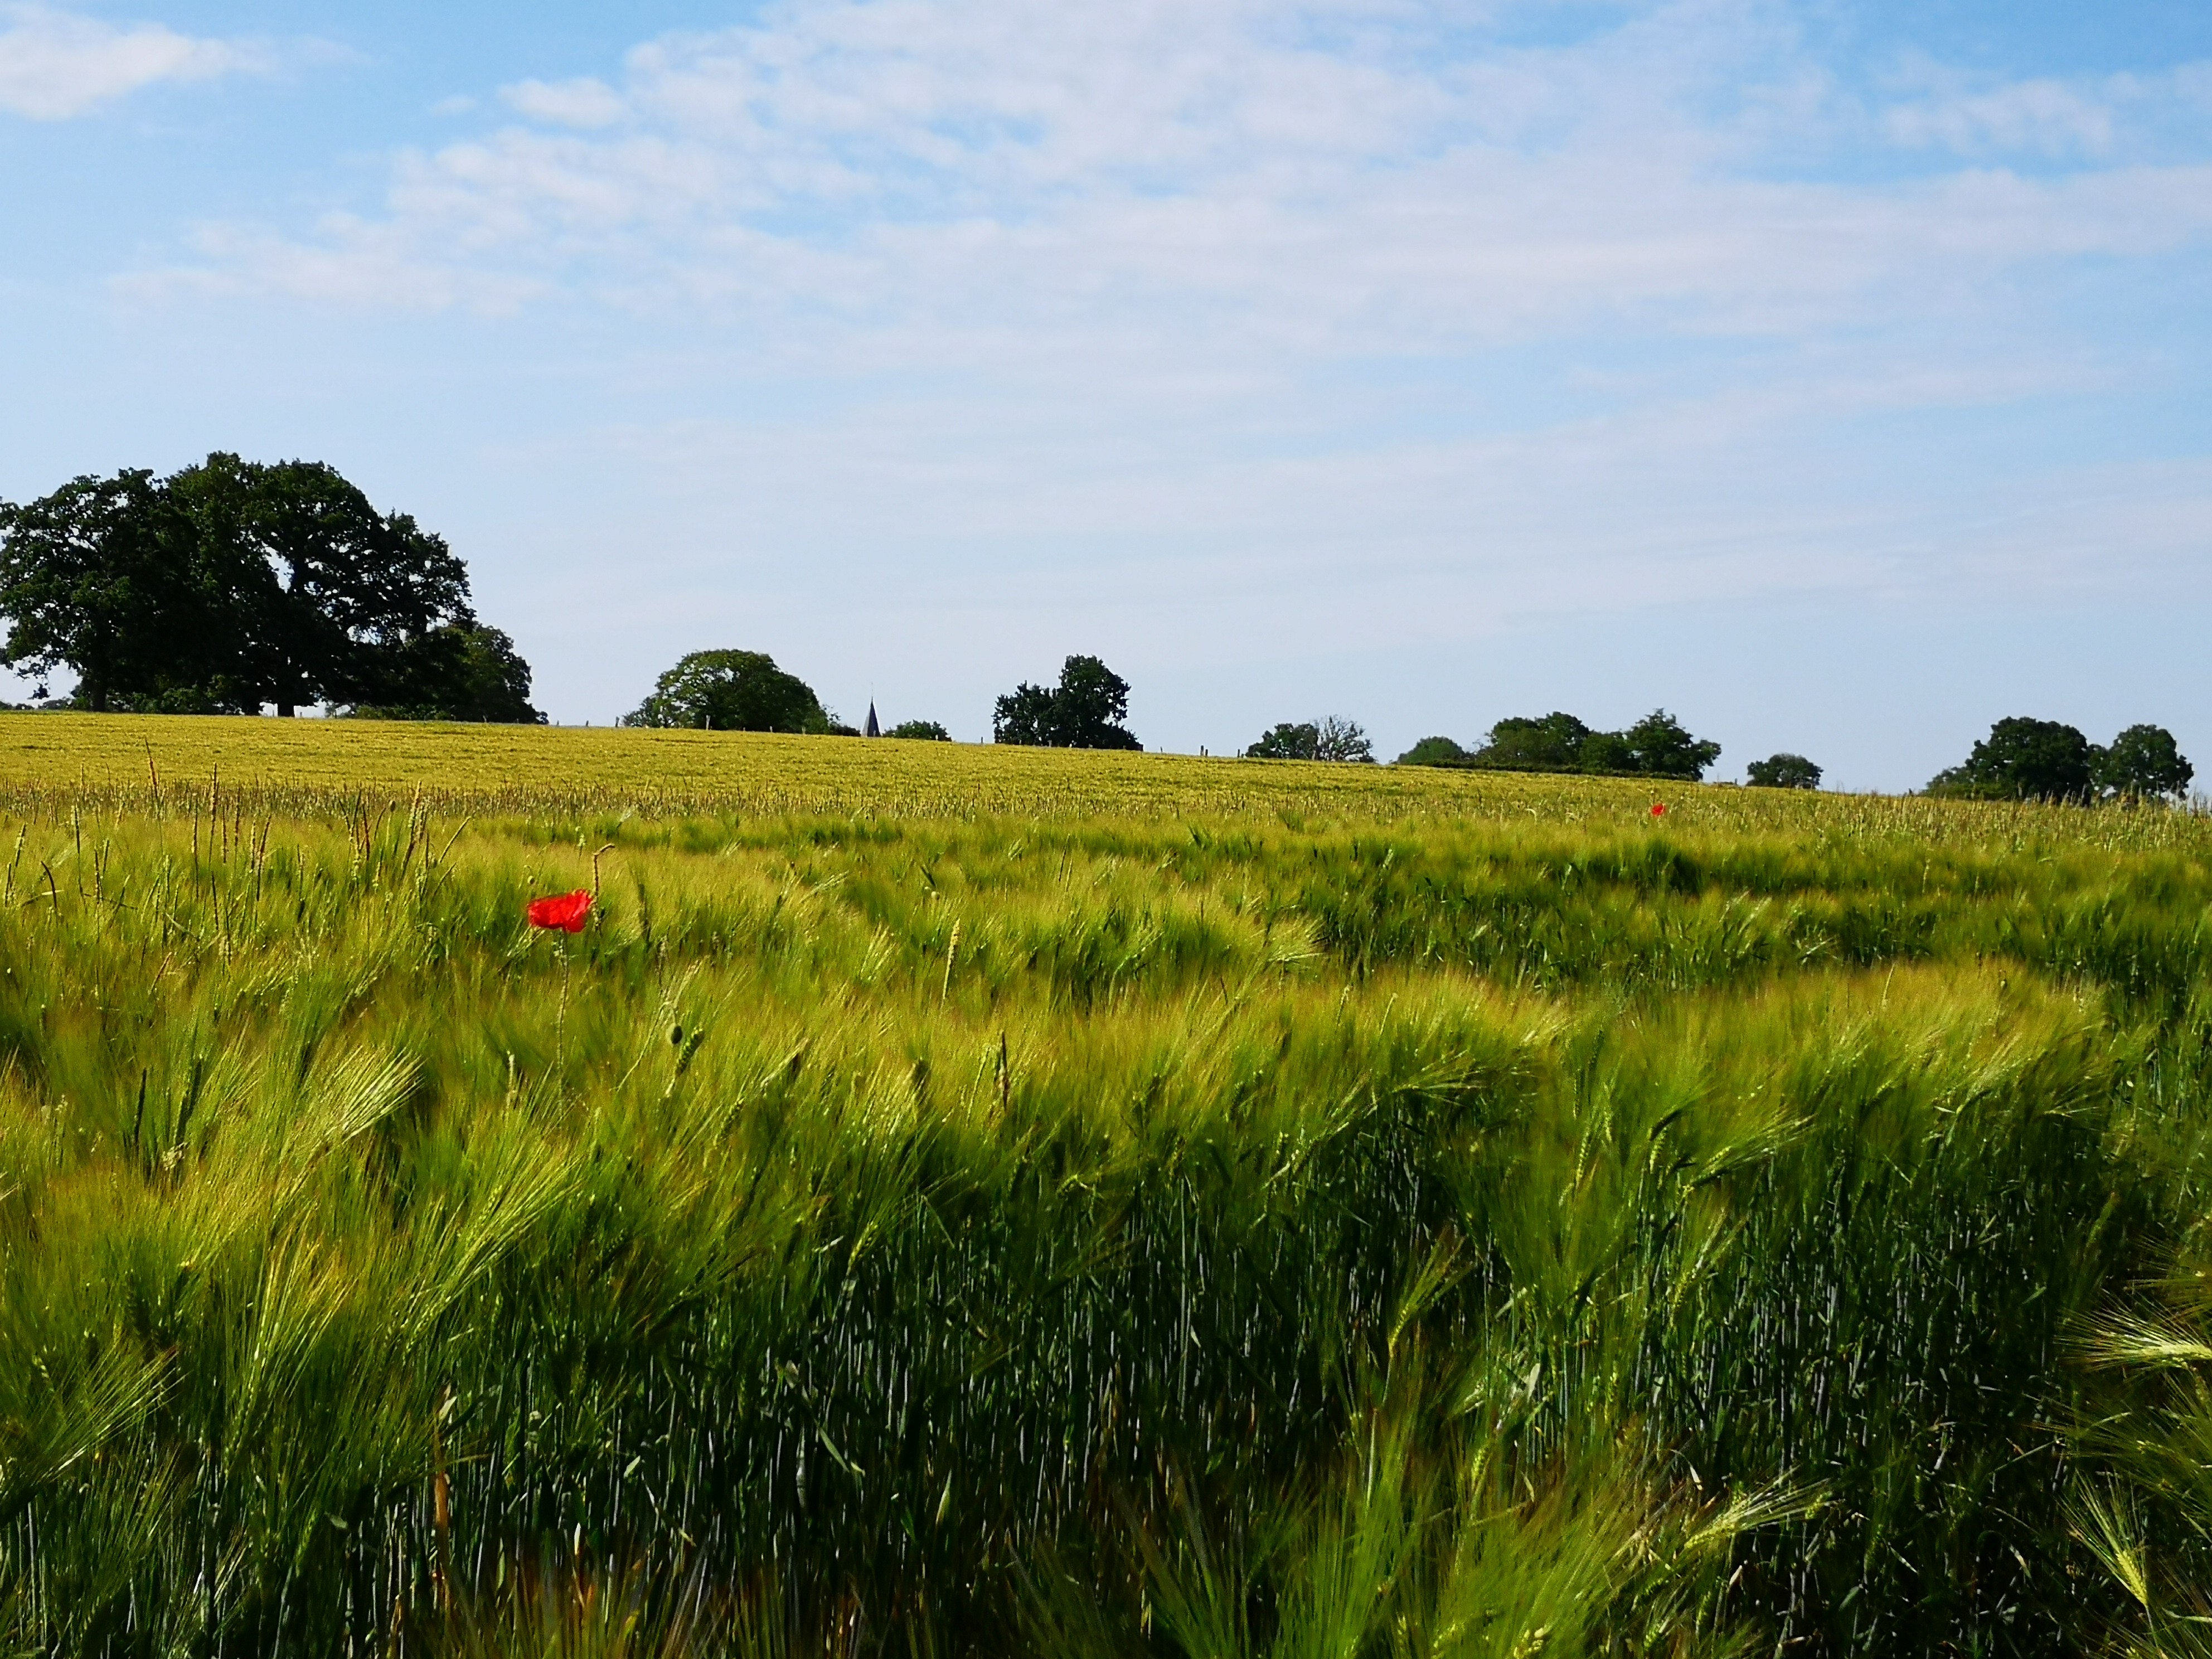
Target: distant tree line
232 584
2023 759
1657 746
1328 739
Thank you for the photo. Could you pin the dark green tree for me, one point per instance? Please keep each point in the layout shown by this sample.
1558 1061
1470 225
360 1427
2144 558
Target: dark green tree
1784 771
1287 741
2144 762
732 691
1329 739
1091 705
1607 753
1656 746
323 595
1343 740
1659 747
1553 744
1085 711
925 731
1434 751
2023 759
1025 716
102 579
461 672
232 584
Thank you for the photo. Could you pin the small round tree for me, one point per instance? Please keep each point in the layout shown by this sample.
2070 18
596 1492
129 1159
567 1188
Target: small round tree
1434 751
2144 762
1782 772
926 730
732 691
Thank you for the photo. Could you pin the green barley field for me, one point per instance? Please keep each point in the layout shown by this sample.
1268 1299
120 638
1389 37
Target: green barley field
953 1200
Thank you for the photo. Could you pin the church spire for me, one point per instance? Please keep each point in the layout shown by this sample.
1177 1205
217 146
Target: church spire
872 730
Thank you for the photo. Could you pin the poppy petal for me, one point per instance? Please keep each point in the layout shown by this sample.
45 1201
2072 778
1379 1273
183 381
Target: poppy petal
566 912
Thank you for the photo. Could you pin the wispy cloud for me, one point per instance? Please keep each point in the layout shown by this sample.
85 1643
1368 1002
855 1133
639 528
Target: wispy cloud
2041 116
585 102
55 64
1330 174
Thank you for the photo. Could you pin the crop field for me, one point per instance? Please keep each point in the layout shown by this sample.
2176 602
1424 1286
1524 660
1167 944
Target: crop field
953 1200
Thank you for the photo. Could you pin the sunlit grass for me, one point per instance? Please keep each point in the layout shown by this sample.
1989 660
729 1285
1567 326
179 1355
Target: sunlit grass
954 1200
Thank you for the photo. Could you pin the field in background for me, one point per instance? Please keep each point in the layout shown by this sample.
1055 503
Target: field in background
954 1200
313 766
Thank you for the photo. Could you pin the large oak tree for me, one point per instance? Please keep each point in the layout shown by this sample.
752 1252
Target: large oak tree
234 584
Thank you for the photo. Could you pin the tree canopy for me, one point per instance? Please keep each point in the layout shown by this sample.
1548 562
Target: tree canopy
2144 762
1084 711
233 583
732 691
98 579
1784 771
925 731
1327 739
2025 759
1656 746
1434 751
461 672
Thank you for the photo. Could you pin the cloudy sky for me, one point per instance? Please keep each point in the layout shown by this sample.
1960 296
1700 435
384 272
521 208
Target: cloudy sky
1833 375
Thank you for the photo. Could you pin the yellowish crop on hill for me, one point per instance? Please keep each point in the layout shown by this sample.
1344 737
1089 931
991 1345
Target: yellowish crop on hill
56 761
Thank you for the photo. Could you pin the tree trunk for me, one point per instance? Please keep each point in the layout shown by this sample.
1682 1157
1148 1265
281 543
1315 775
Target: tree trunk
283 711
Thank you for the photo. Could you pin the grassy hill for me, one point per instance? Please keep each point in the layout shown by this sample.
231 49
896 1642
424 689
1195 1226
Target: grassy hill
960 1200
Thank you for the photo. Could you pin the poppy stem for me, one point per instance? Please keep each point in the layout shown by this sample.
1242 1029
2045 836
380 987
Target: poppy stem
560 1014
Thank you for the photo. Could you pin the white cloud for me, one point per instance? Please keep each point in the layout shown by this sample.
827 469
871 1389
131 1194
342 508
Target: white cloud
583 103
55 64
930 179
2040 118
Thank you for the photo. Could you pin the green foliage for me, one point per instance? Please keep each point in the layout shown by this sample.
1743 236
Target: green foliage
924 730
732 691
100 577
1084 711
1433 751
1287 741
1784 771
1552 743
459 671
323 595
2144 762
232 584
2042 760
1656 746
1329 739
2023 759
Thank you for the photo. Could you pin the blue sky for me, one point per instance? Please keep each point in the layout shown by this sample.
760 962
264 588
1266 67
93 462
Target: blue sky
1832 374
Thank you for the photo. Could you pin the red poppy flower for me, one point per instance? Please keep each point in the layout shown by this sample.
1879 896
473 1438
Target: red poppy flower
1658 809
567 912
